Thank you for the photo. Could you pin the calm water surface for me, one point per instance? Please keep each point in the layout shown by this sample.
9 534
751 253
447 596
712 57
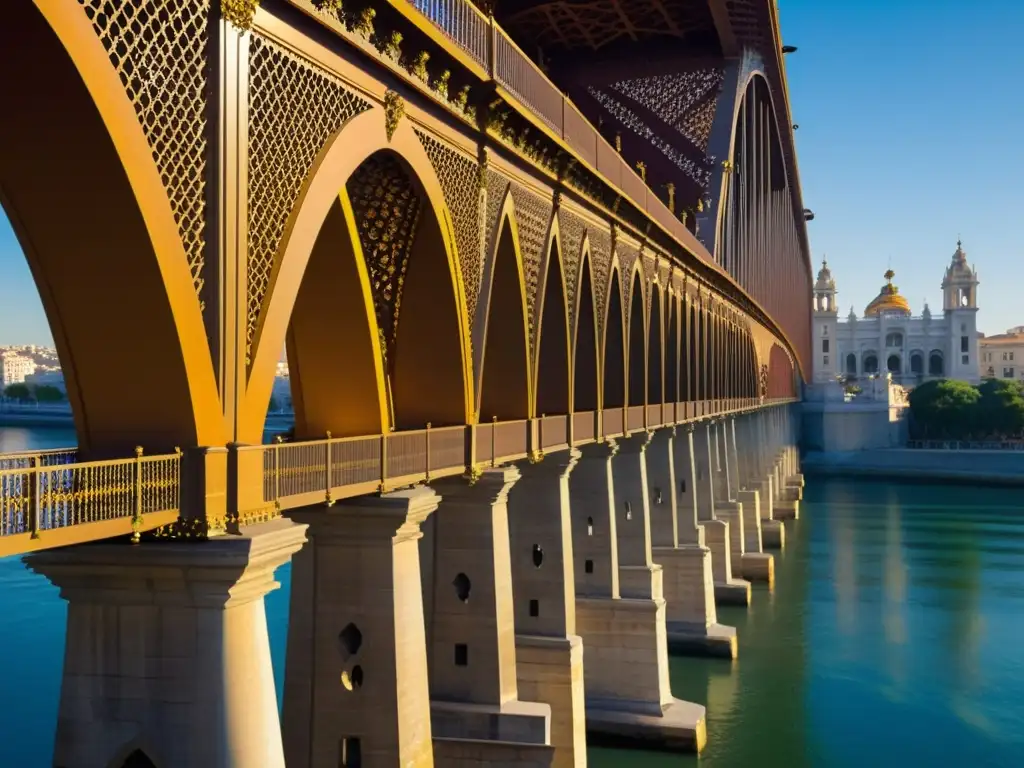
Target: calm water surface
894 637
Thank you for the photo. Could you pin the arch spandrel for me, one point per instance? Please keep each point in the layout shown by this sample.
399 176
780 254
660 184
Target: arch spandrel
360 138
122 351
507 250
535 220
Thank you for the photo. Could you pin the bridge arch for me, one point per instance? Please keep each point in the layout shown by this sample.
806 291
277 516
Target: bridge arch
655 347
586 360
671 392
431 377
504 389
636 355
780 373
111 271
552 378
614 347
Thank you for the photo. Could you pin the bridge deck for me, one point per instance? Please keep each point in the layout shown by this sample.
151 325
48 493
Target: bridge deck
48 499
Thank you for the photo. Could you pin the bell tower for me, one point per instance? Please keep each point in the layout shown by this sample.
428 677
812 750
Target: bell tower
826 318
960 306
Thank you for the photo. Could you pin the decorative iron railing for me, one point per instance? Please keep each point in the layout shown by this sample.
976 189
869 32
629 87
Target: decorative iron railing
47 497
44 495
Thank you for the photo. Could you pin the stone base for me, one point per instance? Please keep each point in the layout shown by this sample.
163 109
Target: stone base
550 669
699 640
514 722
680 727
734 592
716 534
758 566
797 480
773 534
787 509
466 753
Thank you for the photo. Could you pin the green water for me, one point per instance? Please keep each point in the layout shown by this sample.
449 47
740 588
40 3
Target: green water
894 637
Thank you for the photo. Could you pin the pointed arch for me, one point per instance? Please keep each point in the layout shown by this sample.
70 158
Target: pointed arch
655 349
121 350
614 357
672 393
552 367
637 352
431 378
586 368
504 390
693 350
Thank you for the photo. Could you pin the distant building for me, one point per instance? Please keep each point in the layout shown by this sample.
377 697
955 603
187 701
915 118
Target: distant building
889 339
49 377
1002 355
16 367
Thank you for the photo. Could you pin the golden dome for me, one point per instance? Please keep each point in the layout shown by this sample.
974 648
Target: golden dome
888 299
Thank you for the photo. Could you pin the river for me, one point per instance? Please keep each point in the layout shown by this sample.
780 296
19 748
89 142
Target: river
894 637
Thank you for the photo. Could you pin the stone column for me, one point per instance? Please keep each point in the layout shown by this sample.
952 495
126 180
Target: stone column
628 697
475 711
356 677
757 566
788 489
752 450
691 618
167 650
549 653
727 507
729 590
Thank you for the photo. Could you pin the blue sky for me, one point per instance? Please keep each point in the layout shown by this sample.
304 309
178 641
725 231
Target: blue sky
911 132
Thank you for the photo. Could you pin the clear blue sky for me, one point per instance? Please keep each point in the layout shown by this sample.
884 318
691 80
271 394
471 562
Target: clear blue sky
911 132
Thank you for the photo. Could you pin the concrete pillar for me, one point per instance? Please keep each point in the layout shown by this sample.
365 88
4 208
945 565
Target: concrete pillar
691 618
549 652
628 696
167 650
729 590
475 711
788 489
356 677
752 448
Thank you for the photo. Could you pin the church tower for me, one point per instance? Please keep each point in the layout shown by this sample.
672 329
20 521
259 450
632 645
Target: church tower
960 305
826 318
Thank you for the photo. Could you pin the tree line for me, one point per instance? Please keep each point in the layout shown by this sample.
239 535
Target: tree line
42 393
955 410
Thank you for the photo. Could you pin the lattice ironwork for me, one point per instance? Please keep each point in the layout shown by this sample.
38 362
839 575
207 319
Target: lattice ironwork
457 174
386 204
684 100
572 230
294 108
698 172
600 267
627 258
158 48
533 217
497 186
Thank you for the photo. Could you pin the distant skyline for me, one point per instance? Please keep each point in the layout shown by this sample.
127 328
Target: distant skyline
910 136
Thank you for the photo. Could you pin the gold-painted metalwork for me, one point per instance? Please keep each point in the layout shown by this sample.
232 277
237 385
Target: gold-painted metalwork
363 24
641 168
394 109
158 49
418 66
453 169
533 217
294 108
238 12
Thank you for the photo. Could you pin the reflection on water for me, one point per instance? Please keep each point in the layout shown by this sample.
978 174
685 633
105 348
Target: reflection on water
894 637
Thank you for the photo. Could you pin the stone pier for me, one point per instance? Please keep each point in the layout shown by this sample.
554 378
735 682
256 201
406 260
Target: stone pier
167 651
677 540
549 652
628 696
757 565
475 711
729 589
356 686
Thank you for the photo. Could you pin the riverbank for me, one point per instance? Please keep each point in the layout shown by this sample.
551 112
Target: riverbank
1002 468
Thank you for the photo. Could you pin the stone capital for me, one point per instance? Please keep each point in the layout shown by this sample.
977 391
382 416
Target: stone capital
558 465
396 515
597 451
635 443
491 486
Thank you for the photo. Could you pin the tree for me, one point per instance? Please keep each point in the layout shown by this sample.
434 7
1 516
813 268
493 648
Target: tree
19 392
1000 409
944 409
46 393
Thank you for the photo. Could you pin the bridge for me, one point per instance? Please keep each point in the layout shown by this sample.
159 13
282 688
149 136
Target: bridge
545 317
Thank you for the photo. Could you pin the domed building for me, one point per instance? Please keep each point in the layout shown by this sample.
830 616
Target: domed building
889 338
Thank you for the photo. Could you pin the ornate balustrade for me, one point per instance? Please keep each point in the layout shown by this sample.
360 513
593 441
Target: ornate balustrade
52 502
49 500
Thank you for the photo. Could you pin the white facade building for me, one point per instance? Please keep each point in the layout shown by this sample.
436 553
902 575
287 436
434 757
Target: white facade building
16 368
1002 355
888 338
